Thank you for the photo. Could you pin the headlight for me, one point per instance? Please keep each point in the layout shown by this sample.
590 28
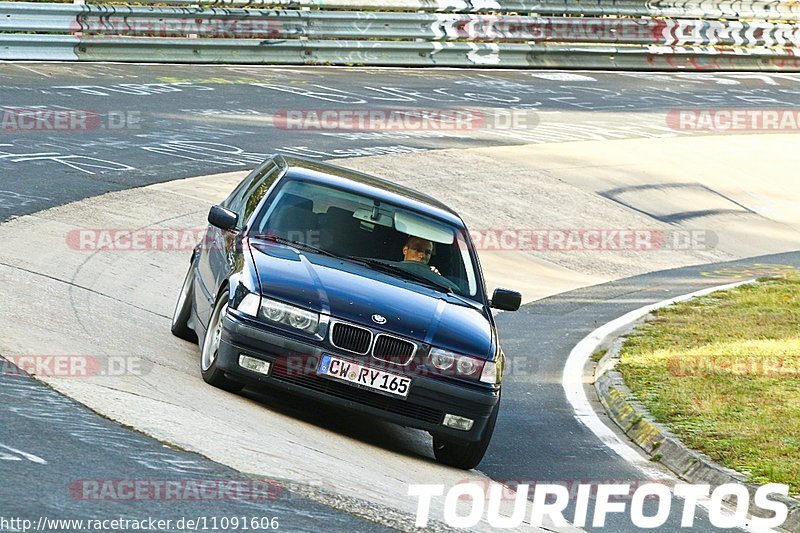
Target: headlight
453 364
273 310
441 360
304 321
467 366
290 315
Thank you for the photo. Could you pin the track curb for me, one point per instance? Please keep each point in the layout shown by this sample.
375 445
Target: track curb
656 440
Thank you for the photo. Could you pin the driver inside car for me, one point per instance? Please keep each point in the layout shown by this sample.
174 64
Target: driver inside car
419 250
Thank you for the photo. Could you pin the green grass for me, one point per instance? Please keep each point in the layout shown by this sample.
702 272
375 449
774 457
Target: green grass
723 373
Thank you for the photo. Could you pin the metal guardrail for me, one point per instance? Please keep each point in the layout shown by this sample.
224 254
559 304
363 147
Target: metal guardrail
111 32
293 52
712 9
135 21
34 48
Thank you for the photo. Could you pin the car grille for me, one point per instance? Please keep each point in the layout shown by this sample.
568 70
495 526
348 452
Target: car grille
308 380
351 338
393 349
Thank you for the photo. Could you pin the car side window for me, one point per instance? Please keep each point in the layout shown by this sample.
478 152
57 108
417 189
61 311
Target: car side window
235 201
245 197
256 191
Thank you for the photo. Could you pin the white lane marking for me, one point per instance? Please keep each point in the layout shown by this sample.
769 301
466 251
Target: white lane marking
562 76
32 70
572 378
572 381
29 456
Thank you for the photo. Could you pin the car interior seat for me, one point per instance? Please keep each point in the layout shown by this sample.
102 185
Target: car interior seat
295 220
339 232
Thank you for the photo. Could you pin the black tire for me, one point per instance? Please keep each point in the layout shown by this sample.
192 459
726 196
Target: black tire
210 349
183 310
465 455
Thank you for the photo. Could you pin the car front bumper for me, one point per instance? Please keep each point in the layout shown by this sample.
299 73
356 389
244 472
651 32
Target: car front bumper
293 364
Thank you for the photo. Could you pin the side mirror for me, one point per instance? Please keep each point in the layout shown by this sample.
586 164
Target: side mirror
506 300
222 218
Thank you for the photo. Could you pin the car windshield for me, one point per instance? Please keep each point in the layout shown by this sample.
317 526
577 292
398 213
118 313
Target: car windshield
382 236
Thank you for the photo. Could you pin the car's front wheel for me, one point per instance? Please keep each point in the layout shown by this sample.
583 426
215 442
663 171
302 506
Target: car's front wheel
465 455
208 357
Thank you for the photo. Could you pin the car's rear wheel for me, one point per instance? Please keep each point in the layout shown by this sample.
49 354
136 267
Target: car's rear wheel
183 309
208 357
465 455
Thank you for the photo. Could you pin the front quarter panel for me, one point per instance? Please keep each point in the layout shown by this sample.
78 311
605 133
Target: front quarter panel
243 277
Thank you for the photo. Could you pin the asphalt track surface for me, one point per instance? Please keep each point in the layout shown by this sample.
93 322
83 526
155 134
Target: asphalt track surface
158 123
185 121
85 466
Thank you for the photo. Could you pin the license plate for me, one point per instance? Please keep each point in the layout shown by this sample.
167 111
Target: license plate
363 376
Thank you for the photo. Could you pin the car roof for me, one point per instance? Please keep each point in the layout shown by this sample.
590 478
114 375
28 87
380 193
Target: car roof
373 186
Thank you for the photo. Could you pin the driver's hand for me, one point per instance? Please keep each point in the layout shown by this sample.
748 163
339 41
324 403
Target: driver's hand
435 270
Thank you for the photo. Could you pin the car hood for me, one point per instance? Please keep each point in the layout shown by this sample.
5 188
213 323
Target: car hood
354 293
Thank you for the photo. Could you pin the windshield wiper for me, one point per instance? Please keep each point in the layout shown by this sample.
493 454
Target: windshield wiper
390 268
300 245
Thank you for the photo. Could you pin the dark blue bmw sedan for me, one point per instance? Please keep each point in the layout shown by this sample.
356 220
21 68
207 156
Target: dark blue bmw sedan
351 290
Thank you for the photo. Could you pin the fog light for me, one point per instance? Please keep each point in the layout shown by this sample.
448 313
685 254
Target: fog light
256 365
458 422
